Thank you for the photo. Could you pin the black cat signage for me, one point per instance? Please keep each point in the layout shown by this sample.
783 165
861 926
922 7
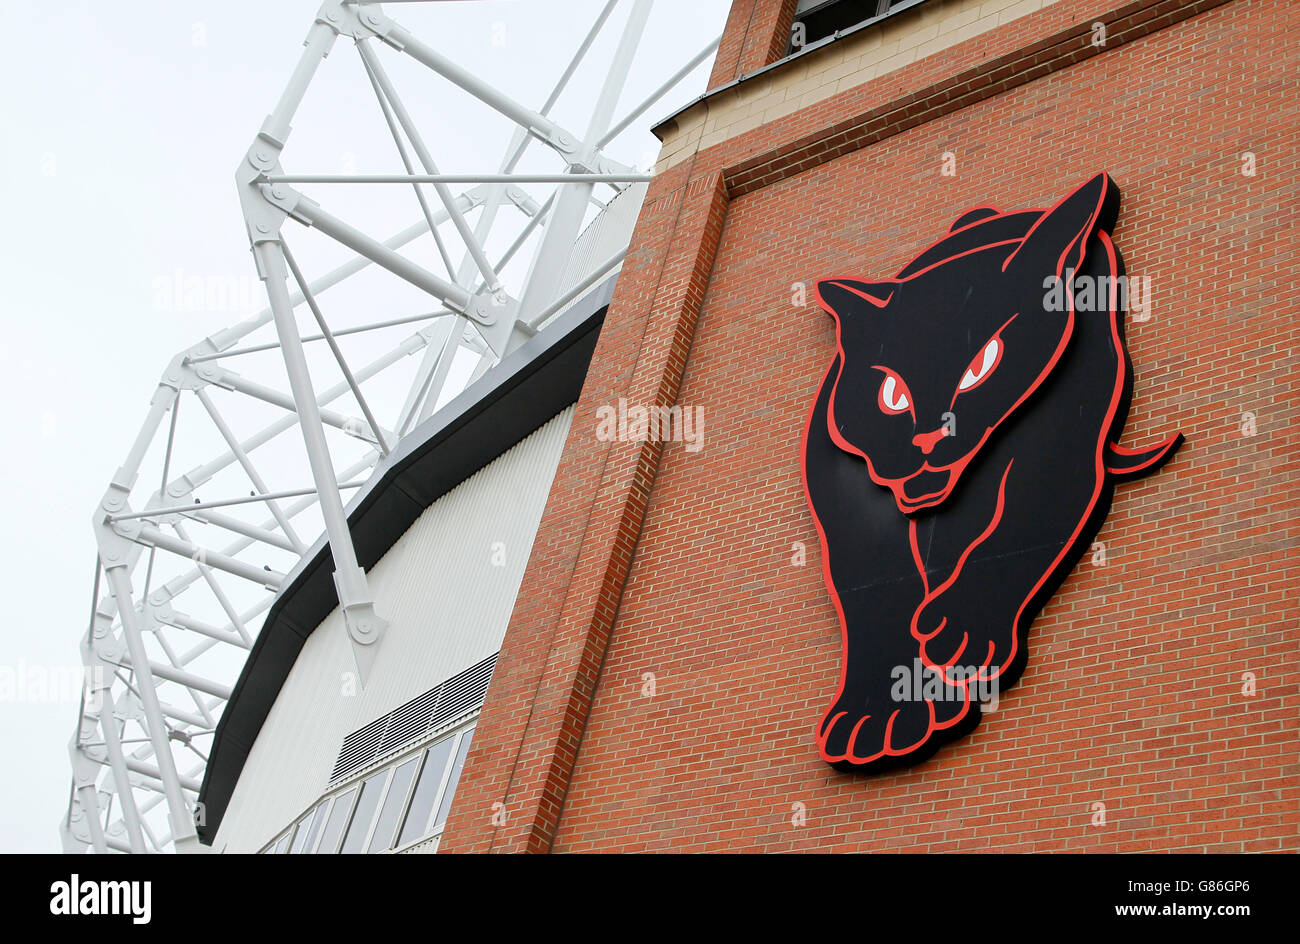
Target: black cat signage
960 456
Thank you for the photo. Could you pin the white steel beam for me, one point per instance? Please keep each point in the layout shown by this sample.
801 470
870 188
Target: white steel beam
150 536
533 122
238 526
388 93
658 93
179 815
342 332
161 512
100 689
381 438
577 177
571 206
253 476
314 215
258 391
103 770
365 627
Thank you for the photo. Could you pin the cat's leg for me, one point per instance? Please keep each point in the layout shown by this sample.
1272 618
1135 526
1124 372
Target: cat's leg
886 706
981 619
1037 496
1034 504
892 710
953 624
889 704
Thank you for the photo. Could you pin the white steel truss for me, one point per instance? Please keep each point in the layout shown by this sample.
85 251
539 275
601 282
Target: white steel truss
153 695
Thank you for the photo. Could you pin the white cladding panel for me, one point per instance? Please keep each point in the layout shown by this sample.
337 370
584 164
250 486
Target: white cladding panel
609 233
448 604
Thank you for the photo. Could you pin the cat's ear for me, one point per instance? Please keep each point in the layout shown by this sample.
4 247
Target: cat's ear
973 216
843 298
1057 241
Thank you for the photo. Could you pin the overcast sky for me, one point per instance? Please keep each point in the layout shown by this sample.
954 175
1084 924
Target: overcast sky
123 127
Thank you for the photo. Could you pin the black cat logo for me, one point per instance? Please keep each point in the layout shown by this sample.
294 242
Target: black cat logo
959 458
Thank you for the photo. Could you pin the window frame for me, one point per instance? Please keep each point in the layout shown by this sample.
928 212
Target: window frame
433 832
884 10
393 768
387 767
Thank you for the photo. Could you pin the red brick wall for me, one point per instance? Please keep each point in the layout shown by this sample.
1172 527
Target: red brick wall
757 33
679 564
541 690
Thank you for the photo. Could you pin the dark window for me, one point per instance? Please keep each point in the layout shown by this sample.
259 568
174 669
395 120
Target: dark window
814 20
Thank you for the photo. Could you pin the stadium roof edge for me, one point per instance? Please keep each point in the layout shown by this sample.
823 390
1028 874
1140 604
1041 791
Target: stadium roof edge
508 403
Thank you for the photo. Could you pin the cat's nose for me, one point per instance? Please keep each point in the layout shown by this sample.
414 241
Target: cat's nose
926 441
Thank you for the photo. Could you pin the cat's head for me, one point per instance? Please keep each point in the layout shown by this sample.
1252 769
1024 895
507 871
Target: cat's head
956 342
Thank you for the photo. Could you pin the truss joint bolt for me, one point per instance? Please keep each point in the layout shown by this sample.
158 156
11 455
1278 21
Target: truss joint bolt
127 529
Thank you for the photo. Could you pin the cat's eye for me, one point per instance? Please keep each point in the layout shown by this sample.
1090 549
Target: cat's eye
894 395
981 366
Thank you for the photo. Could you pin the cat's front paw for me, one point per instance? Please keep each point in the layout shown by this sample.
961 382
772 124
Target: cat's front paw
955 632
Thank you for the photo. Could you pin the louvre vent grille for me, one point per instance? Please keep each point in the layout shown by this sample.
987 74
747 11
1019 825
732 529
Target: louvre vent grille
419 717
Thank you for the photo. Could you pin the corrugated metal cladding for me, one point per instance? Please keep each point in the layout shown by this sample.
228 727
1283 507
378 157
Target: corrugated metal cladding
447 586
607 234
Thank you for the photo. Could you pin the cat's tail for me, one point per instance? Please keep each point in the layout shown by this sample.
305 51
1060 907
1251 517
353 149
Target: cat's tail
1125 463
